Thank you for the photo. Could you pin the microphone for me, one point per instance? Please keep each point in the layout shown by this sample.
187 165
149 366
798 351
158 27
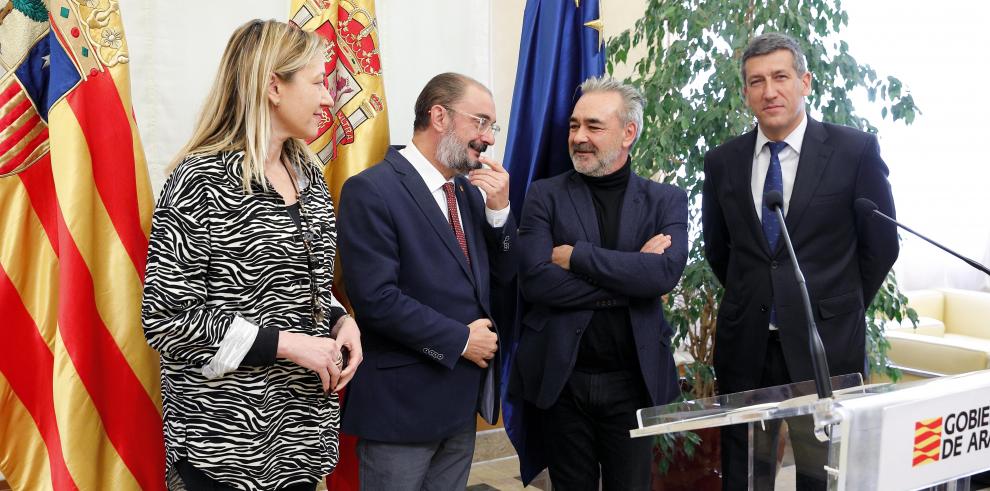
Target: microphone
866 207
774 200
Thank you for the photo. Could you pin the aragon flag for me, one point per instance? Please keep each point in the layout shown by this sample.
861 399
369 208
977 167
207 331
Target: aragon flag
79 399
354 133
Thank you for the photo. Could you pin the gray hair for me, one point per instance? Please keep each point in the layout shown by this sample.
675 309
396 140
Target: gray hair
767 43
632 99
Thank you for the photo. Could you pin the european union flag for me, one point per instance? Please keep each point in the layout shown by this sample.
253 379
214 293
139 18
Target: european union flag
561 46
557 52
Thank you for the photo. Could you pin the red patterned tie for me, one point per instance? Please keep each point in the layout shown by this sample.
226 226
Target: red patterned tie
455 220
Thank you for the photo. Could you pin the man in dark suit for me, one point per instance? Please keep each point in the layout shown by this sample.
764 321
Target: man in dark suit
599 246
820 169
425 237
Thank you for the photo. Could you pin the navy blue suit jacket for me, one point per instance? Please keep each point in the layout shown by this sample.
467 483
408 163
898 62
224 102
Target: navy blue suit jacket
844 257
414 294
559 303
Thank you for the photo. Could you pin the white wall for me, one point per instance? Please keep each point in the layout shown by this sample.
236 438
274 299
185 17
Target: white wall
938 169
422 39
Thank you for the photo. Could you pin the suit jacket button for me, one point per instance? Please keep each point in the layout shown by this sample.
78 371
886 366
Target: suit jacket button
577 331
773 264
763 308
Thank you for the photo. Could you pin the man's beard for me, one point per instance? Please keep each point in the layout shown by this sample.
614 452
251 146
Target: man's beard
453 152
600 163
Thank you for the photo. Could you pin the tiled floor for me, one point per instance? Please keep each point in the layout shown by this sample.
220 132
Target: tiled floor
497 475
501 475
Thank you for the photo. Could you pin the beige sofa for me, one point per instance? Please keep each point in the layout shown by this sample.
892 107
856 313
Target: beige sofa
953 334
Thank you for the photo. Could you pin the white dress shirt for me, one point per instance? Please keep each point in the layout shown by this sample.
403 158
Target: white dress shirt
788 164
434 182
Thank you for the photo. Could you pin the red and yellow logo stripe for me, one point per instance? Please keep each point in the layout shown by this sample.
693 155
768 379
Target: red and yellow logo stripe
927 441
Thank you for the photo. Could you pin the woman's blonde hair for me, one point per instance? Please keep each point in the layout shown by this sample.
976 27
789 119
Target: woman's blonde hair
236 115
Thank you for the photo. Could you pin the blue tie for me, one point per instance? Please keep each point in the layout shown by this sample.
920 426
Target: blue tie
771 225
773 182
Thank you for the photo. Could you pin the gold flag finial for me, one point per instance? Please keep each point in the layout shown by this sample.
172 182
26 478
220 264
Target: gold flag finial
599 26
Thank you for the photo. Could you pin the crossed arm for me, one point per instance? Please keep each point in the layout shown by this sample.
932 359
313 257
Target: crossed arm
586 276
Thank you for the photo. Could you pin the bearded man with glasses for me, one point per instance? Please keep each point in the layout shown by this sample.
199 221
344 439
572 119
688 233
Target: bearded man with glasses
427 239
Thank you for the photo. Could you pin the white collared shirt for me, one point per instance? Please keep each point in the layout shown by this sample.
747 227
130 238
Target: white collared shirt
434 182
788 164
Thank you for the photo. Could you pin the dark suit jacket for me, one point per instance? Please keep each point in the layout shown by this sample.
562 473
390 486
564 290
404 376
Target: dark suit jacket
844 257
560 303
414 294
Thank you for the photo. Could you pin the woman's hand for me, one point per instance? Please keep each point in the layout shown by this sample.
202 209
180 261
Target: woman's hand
349 338
321 355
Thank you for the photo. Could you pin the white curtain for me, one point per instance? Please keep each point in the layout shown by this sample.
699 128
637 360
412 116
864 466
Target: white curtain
175 48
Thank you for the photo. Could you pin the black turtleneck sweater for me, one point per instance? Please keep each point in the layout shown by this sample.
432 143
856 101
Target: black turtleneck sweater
607 344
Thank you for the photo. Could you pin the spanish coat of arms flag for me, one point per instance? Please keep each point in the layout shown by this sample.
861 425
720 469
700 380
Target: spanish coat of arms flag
79 400
354 133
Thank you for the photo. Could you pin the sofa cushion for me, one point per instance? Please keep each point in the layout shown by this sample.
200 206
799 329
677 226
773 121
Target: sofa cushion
949 355
927 326
968 341
967 313
927 303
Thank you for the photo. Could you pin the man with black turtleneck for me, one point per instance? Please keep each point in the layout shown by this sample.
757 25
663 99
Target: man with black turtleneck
599 247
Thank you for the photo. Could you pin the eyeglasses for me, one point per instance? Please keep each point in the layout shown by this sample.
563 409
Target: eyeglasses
484 124
308 237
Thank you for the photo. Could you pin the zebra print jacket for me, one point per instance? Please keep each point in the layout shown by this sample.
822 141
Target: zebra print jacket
219 257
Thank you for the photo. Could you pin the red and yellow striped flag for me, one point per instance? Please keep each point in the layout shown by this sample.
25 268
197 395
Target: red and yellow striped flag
354 133
79 400
927 441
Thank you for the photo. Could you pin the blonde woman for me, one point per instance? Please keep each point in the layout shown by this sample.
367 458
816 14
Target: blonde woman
237 298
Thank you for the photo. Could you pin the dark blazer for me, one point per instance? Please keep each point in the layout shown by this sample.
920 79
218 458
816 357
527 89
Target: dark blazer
844 257
414 294
560 303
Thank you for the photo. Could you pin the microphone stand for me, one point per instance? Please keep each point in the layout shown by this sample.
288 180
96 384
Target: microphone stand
967 260
818 362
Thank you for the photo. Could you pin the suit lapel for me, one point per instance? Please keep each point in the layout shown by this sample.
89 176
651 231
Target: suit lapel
584 208
630 219
421 195
741 177
815 153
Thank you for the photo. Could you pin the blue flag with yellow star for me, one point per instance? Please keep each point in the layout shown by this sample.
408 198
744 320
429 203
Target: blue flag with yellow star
561 46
